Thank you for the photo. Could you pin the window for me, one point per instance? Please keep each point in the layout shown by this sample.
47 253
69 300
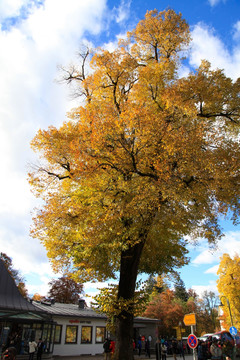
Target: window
71 334
100 334
86 337
58 334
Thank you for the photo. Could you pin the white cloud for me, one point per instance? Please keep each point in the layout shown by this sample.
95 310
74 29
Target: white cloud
207 45
230 244
215 2
212 270
11 8
201 288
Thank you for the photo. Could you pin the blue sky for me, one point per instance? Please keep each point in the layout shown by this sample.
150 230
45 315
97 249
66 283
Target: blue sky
37 36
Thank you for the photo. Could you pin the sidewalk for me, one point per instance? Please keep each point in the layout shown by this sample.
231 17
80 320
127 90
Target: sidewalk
101 357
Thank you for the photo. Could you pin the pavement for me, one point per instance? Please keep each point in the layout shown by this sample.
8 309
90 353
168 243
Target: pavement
101 357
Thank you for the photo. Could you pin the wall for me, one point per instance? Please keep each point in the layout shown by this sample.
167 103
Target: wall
79 348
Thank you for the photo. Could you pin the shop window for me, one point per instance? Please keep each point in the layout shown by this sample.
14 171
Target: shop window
86 337
100 334
58 334
71 334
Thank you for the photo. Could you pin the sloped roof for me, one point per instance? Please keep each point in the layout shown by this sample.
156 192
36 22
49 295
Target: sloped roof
10 297
70 310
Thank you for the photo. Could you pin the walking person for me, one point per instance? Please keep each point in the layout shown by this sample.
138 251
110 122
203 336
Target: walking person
40 347
164 350
139 345
32 347
106 349
174 349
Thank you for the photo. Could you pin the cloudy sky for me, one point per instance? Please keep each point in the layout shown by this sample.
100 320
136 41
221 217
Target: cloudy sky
37 36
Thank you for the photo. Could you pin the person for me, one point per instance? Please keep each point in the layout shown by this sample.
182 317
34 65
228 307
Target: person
9 354
158 349
107 350
204 350
32 347
174 349
112 348
215 350
200 350
164 350
147 347
139 345
180 349
40 347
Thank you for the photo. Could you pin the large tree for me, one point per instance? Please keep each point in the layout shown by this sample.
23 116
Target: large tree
148 159
65 290
228 286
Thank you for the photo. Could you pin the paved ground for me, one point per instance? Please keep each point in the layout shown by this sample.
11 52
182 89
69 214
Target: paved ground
101 357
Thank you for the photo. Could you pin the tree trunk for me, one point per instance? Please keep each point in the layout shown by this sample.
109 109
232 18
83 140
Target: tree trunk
124 323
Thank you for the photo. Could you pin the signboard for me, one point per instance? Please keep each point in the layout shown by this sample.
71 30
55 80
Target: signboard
192 341
233 330
189 319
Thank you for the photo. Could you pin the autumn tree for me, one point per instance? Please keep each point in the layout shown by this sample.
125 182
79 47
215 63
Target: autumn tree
65 290
228 286
147 160
15 274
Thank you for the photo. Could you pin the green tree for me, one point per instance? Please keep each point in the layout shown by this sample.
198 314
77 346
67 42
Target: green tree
140 165
180 290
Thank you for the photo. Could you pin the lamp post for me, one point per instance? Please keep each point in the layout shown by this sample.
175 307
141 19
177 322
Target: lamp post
230 313
229 307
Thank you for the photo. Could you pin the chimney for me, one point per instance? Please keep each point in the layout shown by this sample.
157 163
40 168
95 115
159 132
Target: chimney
81 303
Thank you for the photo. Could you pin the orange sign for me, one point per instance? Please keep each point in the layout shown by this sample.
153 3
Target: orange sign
189 319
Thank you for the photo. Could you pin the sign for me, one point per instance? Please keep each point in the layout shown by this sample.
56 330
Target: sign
192 341
189 319
233 330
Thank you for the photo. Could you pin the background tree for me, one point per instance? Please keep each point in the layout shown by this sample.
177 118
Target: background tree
180 290
140 165
65 290
228 286
19 280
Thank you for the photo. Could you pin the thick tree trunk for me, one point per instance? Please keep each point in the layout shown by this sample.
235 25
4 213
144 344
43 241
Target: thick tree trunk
124 323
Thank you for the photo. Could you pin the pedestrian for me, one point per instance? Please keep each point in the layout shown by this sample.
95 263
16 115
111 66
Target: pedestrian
147 347
9 354
32 347
139 345
112 348
180 349
158 349
200 350
40 347
106 349
215 350
174 349
164 350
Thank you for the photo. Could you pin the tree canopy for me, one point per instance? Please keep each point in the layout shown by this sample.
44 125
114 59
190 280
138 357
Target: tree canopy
65 290
148 160
228 286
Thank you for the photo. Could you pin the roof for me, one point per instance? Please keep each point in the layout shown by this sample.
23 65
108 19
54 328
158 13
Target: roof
10 297
73 310
70 310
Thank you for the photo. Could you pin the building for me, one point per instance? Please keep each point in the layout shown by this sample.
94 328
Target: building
66 329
